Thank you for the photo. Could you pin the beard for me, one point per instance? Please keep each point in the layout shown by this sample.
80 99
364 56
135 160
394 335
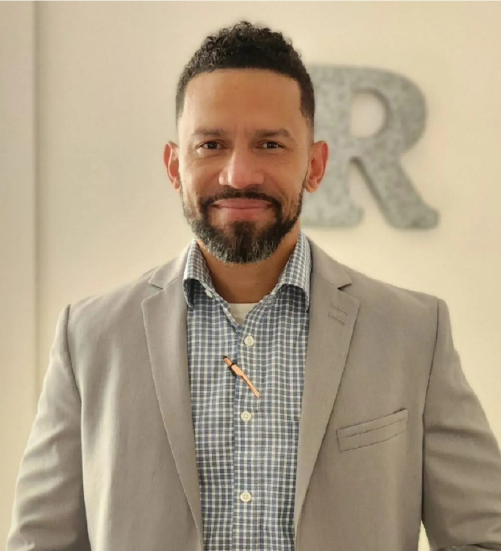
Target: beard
242 241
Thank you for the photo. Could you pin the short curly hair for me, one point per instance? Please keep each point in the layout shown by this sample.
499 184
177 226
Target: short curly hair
248 46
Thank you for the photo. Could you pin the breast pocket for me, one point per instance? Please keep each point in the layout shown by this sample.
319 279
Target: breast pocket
372 432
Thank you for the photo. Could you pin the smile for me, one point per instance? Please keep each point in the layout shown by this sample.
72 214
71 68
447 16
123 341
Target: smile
241 208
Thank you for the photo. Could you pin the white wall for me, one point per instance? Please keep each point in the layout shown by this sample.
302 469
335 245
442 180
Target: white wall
18 307
106 212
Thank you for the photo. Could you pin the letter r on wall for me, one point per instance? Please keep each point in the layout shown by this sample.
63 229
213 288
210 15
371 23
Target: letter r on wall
377 156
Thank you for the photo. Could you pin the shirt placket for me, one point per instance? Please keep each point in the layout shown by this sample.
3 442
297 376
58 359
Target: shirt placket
247 435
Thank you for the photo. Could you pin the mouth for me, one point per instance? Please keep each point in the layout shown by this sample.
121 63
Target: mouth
241 208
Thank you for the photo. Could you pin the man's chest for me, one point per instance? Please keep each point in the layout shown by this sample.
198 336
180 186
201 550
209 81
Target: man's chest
247 445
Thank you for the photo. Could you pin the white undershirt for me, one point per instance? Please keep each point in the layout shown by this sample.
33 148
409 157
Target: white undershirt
240 310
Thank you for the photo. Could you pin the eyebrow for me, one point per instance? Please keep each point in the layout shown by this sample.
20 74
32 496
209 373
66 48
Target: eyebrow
262 133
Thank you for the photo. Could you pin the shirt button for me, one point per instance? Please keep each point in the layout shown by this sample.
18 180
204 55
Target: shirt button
249 340
246 416
208 293
245 497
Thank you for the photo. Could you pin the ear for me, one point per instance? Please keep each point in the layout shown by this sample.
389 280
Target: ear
319 153
171 161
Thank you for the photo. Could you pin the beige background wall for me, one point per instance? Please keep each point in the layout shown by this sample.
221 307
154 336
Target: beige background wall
96 209
18 258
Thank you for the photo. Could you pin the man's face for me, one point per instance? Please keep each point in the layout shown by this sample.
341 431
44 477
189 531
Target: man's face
242 163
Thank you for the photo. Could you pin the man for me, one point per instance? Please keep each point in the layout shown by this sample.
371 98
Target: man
253 393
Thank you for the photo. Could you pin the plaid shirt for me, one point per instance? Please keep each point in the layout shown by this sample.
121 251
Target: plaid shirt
247 446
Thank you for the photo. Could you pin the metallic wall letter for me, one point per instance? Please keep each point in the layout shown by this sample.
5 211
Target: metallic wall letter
377 156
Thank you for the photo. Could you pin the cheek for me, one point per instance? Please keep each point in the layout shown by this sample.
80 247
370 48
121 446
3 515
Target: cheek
196 166
200 177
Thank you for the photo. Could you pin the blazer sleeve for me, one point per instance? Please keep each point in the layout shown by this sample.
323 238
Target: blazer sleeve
461 507
49 508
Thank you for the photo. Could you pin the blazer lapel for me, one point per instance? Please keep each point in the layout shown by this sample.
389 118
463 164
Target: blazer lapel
332 317
165 321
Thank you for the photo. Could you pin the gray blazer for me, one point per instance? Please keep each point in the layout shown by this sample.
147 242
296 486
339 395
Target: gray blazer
390 430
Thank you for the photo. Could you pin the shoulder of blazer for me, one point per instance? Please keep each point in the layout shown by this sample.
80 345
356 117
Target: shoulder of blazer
123 303
377 297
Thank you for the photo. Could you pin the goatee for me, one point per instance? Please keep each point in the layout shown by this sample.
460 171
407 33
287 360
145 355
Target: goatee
242 241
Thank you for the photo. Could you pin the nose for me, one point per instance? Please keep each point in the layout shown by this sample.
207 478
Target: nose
241 169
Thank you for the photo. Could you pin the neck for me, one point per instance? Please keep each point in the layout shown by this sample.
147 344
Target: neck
249 283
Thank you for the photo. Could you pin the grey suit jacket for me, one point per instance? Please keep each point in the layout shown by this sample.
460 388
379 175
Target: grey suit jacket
390 430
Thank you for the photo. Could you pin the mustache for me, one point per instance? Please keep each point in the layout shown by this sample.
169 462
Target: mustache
236 194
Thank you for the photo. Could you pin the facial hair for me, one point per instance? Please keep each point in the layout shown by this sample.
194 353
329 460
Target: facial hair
242 241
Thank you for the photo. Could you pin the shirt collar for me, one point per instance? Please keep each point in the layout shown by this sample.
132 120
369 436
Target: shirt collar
297 271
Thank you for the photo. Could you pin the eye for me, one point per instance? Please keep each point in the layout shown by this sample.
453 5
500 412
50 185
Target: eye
274 145
210 145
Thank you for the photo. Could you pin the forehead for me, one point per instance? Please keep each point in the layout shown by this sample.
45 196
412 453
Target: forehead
249 98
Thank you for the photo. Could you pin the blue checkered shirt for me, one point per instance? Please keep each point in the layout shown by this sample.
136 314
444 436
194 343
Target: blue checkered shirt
247 446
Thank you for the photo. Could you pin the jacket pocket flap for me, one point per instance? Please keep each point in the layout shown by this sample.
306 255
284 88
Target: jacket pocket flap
371 432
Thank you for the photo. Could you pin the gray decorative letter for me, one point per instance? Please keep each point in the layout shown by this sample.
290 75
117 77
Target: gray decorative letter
377 156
